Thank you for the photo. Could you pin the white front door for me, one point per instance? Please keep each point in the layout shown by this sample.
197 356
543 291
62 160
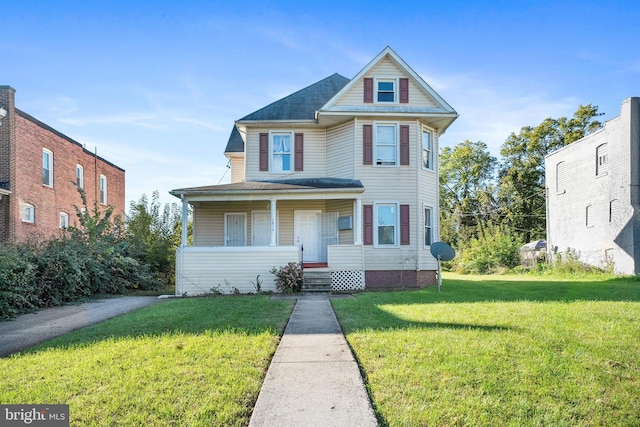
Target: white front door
306 229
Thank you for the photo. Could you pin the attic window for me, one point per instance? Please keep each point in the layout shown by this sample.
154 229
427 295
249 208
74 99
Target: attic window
386 90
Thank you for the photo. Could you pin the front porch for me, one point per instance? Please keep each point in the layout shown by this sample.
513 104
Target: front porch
227 270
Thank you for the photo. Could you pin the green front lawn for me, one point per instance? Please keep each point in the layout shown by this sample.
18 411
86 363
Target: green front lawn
499 350
197 361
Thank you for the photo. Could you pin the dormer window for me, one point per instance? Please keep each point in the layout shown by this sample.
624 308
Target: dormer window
386 90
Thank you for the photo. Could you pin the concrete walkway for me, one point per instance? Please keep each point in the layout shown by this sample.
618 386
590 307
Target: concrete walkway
313 379
30 329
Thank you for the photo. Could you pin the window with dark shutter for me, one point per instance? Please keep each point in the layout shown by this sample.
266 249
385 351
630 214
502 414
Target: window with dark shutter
404 91
299 152
404 145
367 144
368 90
264 152
368 224
404 225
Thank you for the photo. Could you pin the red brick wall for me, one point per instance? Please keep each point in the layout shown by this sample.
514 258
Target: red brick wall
394 279
31 138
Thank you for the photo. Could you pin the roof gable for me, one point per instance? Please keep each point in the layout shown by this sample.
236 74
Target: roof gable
388 55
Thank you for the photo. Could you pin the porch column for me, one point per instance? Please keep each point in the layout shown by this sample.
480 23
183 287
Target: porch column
185 214
357 222
273 222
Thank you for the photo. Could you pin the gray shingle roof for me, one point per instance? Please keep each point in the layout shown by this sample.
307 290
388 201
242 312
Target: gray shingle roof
301 105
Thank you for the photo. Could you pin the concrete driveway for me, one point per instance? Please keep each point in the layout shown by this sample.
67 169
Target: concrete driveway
30 329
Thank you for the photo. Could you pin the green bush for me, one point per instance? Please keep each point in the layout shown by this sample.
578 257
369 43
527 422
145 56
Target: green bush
17 281
495 248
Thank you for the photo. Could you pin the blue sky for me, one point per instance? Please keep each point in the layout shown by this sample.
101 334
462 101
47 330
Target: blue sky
155 85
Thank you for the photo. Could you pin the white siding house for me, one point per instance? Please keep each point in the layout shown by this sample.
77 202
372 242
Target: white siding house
341 175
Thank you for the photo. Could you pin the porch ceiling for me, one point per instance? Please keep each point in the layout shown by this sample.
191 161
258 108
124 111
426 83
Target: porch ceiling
284 189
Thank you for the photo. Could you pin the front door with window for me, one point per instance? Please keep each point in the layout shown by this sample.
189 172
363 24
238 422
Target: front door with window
306 229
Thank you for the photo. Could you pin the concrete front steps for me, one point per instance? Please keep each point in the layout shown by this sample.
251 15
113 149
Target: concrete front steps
316 281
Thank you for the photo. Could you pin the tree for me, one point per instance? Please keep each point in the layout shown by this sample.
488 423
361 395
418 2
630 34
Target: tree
153 233
521 176
466 190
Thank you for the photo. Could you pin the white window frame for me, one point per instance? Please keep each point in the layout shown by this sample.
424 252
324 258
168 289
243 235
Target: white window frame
602 159
272 154
49 168
430 150
396 143
226 231
561 177
80 176
377 225
428 225
103 190
376 90
30 212
64 220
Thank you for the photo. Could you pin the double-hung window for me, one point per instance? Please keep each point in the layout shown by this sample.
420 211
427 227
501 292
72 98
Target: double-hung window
64 220
103 189
386 224
386 144
281 152
80 176
28 213
386 90
602 160
428 226
47 167
427 150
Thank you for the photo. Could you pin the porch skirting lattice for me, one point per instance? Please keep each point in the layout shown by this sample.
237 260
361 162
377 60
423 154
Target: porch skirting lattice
347 280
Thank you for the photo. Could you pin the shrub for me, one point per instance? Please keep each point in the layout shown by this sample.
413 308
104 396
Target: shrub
495 248
288 277
18 290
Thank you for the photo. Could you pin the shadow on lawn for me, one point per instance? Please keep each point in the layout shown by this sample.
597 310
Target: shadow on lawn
250 315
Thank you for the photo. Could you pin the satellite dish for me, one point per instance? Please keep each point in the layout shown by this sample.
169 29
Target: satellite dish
442 251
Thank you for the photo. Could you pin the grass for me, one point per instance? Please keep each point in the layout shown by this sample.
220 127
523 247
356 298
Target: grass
197 361
500 350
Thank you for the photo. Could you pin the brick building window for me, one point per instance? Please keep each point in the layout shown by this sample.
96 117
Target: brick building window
80 176
28 213
64 220
103 189
47 167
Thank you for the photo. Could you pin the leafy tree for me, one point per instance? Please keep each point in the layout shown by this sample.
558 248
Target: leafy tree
466 190
521 176
154 233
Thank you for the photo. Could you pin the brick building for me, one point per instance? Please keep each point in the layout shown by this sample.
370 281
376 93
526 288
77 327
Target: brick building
39 170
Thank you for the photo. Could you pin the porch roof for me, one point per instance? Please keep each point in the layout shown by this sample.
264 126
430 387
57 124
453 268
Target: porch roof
282 189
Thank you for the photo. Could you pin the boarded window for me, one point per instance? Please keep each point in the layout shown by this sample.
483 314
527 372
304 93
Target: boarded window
589 216
614 210
602 159
561 176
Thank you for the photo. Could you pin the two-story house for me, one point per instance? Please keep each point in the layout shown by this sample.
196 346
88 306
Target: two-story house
593 195
341 175
40 172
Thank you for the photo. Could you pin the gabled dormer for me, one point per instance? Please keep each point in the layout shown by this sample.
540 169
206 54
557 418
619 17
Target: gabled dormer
388 87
